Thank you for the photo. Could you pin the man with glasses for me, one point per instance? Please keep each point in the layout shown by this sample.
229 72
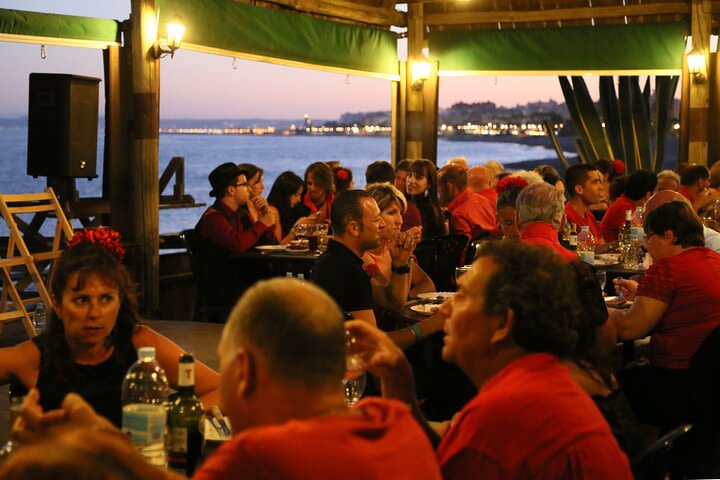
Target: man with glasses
225 224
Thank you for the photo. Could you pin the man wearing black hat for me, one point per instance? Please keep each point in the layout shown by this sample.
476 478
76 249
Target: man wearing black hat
225 224
226 228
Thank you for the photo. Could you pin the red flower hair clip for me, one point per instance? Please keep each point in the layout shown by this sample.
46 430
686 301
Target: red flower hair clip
511 182
619 166
105 238
342 174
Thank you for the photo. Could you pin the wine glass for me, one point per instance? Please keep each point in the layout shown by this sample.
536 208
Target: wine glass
300 230
602 280
355 377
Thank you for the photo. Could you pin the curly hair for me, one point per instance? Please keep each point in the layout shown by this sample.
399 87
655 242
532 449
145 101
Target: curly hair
83 260
540 290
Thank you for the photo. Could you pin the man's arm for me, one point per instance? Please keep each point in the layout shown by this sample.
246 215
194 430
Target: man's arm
216 229
386 361
365 315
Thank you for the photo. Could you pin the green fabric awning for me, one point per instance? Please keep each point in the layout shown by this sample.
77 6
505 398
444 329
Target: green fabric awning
34 27
648 48
226 27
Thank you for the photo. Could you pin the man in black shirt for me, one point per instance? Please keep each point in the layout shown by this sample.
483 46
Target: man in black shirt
356 222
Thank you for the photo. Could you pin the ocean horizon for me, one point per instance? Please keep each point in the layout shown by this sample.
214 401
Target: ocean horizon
273 153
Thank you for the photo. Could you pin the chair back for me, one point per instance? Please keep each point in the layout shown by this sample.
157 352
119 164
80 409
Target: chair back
439 257
207 305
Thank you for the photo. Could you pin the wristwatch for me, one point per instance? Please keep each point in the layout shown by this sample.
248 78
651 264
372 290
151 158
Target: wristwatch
402 270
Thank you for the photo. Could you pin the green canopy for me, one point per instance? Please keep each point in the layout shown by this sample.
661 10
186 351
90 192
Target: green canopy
607 49
34 27
226 27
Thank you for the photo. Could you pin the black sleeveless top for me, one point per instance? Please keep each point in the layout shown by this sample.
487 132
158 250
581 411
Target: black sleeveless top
100 385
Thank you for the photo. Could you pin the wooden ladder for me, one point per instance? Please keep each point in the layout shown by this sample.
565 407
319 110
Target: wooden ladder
42 205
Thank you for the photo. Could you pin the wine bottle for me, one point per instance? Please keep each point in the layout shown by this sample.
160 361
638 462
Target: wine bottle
184 417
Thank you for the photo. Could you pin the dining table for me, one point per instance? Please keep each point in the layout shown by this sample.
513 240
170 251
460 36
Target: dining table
262 262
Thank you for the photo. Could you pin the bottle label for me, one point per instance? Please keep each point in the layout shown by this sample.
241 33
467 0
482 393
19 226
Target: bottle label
144 423
573 240
587 257
178 443
637 232
186 374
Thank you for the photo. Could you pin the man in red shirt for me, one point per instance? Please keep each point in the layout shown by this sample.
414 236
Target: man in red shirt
470 214
540 214
639 187
584 186
481 180
282 362
513 318
695 183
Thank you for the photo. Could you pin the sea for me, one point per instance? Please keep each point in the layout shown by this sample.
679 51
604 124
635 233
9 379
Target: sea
274 153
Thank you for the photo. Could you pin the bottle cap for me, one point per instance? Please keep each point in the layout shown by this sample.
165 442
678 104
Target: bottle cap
146 353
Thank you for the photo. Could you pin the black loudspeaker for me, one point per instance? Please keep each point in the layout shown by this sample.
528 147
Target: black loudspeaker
62 125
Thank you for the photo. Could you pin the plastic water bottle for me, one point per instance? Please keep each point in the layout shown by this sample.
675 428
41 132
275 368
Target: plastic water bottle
144 414
39 318
586 245
637 223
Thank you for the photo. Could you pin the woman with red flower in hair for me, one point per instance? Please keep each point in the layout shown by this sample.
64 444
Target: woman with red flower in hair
93 333
508 188
343 179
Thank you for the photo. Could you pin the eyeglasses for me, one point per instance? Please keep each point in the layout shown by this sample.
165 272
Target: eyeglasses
244 184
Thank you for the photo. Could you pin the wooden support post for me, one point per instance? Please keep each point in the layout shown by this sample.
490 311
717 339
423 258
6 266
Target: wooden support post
116 169
714 124
698 115
415 106
143 190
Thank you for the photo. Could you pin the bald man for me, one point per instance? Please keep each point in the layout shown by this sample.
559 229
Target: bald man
712 238
481 180
460 162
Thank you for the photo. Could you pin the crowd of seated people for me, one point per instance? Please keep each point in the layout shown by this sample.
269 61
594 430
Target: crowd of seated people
528 326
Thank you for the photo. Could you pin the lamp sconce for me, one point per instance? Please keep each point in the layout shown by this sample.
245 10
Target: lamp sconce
420 73
168 45
696 65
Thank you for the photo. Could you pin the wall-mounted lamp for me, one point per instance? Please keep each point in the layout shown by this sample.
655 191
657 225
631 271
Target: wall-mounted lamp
420 73
696 65
175 32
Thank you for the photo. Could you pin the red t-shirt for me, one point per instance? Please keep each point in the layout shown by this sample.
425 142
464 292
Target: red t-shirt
683 191
471 214
688 283
531 421
384 441
540 233
588 220
325 208
489 193
614 218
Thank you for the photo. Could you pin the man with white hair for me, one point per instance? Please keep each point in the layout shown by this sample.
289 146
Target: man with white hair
668 180
540 214
482 180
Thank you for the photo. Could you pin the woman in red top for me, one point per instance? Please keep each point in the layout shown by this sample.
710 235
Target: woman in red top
677 302
319 190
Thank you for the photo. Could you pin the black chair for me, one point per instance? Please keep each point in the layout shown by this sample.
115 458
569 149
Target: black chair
439 257
208 304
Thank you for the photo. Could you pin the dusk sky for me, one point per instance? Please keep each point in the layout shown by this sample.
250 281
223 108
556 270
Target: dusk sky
195 85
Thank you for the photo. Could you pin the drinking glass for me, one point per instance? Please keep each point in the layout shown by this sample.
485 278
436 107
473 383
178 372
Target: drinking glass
323 228
355 376
460 271
602 280
300 230
16 404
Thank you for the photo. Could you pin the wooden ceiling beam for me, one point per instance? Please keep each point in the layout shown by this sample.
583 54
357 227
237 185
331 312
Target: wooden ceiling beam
355 11
557 14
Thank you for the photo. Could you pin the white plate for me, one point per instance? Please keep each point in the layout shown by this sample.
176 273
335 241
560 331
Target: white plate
435 295
271 248
290 250
606 259
425 308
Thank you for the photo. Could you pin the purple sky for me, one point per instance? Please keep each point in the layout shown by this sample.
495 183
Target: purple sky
195 85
